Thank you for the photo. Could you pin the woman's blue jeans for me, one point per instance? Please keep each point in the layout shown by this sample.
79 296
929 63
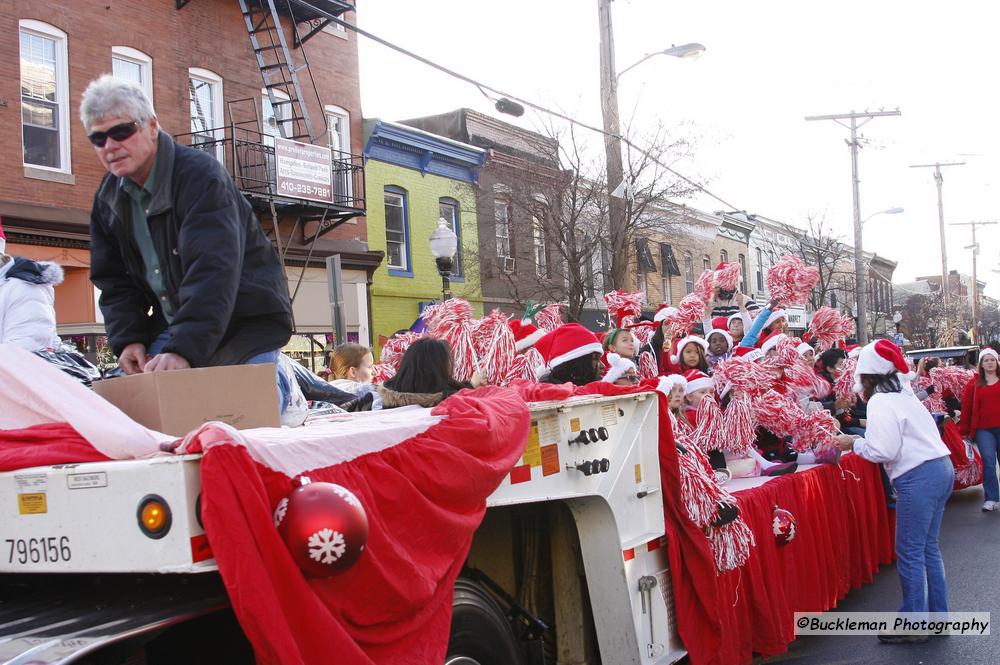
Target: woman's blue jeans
986 441
921 494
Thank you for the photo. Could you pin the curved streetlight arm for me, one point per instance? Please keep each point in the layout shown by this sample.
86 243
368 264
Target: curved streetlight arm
889 211
692 50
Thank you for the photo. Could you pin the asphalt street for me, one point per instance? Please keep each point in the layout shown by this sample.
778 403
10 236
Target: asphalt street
970 542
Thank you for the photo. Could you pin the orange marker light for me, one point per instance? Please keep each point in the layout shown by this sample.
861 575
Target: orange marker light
154 516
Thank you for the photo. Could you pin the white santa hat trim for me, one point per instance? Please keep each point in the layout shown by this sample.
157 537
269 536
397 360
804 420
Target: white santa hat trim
617 367
804 348
989 351
775 316
696 380
724 333
664 312
527 342
737 315
690 339
772 342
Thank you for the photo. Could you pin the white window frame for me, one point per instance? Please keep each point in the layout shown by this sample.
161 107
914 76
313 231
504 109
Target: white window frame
344 149
218 118
405 253
47 31
538 243
503 240
643 287
136 57
456 227
281 114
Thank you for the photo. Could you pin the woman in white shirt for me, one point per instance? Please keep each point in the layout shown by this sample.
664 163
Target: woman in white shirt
901 435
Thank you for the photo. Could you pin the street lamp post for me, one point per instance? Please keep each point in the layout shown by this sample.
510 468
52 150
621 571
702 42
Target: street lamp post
613 139
932 327
861 285
444 244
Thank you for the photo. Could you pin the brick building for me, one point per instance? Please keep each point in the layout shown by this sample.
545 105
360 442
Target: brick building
196 61
517 261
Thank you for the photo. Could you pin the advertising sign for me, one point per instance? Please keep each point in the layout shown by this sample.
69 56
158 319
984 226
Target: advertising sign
303 170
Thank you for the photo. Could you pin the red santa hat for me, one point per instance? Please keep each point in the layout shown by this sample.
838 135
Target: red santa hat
3 239
881 357
663 311
725 334
526 334
772 341
748 352
684 341
696 380
567 342
617 367
720 323
775 316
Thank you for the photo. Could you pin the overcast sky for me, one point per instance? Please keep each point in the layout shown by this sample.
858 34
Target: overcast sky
767 66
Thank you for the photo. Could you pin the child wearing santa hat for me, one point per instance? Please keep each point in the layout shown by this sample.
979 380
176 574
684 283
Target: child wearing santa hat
621 371
689 353
902 435
572 354
720 347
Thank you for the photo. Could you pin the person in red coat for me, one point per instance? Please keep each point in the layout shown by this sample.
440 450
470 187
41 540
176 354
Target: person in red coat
981 421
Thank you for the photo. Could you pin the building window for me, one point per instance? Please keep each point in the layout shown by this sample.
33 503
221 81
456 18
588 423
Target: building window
274 117
666 288
706 262
643 287
724 256
44 96
541 254
448 209
689 271
743 273
205 97
760 269
501 213
132 65
338 131
397 236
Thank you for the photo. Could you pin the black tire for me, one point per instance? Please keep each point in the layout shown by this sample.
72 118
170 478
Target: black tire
480 633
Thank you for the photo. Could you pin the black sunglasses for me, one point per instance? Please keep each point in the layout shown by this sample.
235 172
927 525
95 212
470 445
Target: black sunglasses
119 133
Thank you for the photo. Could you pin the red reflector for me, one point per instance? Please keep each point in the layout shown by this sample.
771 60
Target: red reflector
653 545
200 549
628 554
520 474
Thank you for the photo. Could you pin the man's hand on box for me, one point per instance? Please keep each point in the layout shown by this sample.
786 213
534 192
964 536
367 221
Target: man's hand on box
165 362
133 358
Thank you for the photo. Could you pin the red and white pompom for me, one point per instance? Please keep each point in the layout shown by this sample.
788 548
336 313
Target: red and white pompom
828 326
731 545
952 379
737 433
743 375
843 386
647 366
550 317
815 431
451 320
324 526
493 341
790 280
776 412
703 285
395 347
709 424
727 276
690 311
623 308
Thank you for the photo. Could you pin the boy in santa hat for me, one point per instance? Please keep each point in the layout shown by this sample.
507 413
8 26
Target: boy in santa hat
720 346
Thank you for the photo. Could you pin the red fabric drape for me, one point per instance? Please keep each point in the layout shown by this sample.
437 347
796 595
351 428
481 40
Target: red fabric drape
425 497
44 445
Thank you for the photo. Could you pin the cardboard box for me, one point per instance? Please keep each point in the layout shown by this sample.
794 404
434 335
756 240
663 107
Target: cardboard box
176 402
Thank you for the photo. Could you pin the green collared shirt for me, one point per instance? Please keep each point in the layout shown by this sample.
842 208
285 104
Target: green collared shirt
140 198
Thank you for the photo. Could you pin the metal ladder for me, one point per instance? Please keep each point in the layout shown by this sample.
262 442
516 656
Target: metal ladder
277 68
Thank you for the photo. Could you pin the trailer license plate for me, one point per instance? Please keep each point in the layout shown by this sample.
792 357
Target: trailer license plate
51 549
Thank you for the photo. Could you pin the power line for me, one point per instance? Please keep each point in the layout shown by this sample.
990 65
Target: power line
537 107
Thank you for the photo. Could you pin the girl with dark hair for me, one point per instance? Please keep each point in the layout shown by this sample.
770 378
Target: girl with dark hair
579 371
424 377
981 421
691 355
902 435
572 354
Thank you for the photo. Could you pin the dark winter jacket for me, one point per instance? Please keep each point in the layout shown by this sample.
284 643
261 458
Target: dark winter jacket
223 277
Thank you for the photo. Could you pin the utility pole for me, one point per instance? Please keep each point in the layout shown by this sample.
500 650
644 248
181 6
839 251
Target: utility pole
975 282
612 147
938 180
860 283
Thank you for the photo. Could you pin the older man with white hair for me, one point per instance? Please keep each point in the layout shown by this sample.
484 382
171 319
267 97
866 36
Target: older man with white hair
187 276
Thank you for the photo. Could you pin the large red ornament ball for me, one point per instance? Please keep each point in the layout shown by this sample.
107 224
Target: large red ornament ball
324 527
784 526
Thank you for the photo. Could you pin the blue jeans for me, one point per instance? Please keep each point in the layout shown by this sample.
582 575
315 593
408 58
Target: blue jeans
986 441
284 390
921 494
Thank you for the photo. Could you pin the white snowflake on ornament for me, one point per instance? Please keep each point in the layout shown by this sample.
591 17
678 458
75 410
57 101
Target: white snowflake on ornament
279 512
346 495
326 546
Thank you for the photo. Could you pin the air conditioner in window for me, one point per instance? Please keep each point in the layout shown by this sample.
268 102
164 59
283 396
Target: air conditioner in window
507 264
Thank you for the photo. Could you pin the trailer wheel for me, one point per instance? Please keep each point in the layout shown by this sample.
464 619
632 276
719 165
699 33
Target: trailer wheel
480 633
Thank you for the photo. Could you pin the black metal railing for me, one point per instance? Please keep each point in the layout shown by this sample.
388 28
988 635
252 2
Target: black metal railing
249 158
